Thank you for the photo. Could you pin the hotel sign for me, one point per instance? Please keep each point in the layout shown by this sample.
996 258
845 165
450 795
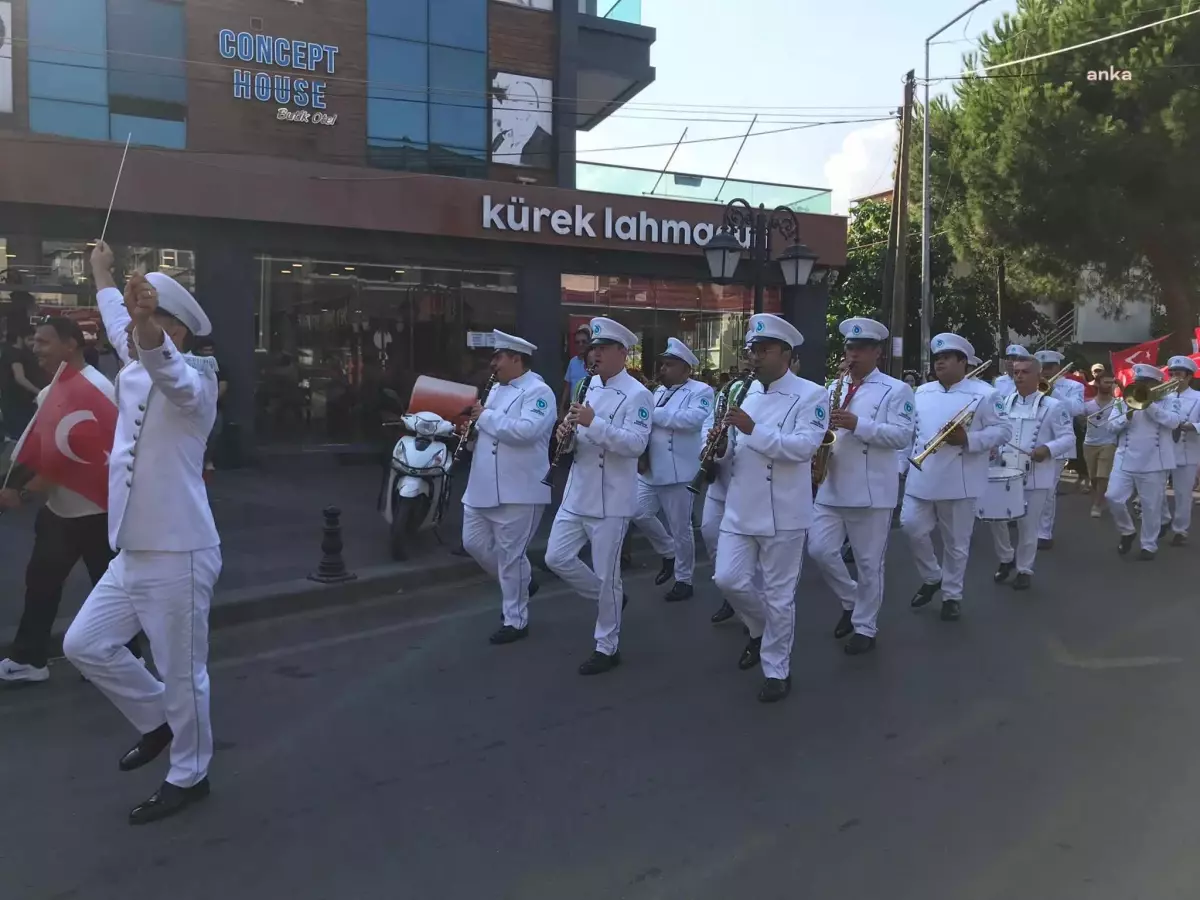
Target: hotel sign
282 90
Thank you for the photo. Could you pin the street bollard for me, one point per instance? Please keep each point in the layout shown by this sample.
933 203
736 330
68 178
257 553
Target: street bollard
332 569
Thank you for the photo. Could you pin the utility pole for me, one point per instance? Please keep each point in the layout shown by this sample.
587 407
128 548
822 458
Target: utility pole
899 242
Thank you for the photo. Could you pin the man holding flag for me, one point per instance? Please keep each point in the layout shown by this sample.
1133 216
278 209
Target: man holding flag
66 446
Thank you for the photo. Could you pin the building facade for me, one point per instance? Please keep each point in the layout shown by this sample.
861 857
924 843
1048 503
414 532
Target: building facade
358 191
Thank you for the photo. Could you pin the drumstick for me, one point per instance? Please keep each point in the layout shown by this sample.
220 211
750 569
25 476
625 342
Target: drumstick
1018 449
113 199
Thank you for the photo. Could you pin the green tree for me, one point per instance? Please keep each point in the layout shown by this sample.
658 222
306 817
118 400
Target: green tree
1062 172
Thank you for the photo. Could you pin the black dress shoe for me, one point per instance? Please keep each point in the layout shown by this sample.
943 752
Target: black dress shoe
166 801
509 635
751 655
1179 540
1164 531
1002 573
1146 555
624 601
147 749
844 625
858 645
667 572
1022 582
534 587
951 611
1045 543
847 554
724 614
925 594
599 663
680 590
775 689
1126 543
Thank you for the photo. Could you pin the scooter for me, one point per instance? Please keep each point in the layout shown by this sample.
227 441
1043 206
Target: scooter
416 491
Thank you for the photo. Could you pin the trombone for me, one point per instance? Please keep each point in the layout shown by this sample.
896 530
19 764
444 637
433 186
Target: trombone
963 419
1046 385
1139 396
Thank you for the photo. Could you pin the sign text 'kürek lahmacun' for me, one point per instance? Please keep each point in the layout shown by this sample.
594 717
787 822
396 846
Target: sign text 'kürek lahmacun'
517 216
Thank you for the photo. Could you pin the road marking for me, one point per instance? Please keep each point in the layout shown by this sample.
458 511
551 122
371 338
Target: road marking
1061 655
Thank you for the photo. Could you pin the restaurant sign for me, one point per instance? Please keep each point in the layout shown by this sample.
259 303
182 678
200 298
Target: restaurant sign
281 90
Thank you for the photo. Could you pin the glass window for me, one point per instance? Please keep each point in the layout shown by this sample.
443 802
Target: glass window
399 18
149 132
80 84
397 70
458 23
396 120
458 115
77 120
134 25
72 34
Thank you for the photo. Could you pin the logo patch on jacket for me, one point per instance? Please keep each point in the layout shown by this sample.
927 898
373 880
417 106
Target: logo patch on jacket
643 413
704 402
908 410
539 407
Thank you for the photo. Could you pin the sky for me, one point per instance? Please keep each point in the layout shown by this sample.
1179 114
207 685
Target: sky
794 62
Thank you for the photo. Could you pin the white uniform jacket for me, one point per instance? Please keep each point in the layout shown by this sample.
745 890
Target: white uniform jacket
603 479
1144 443
1004 385
956 473
1187 451
1037 420
770 485
166 409
1070 394
862 467
676 437
513 445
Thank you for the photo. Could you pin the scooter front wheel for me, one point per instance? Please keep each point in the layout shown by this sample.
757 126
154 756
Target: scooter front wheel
406 519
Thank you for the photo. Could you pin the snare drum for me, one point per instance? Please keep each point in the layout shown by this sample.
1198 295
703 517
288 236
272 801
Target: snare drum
1004 498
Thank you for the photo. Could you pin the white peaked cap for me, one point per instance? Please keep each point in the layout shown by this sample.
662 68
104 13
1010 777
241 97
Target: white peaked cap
765 325
609 331
974 361
1049 357
175 299
860 329
1016 351
749 335
680 350
1142 370
947 342
1182 362
503 341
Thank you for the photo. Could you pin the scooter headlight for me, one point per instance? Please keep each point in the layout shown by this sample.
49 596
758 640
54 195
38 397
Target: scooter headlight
398 455
427 427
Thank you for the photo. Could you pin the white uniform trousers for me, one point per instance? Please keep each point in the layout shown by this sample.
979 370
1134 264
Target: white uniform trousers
567 537
868 531
1152 489
1027 533
675 500
759 576
1183 479
710 524
1045 529
497 538
956 521
166 595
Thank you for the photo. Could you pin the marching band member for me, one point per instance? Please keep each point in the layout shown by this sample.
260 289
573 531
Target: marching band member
1145 453
1070 394
768 507
1187 450
681 406
158 516
873 419
505 497
1004 384
942 493
1041 432
612 429
974 362
714 497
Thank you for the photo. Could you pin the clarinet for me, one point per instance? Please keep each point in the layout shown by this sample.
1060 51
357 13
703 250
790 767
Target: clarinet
713 446
460 452
567 441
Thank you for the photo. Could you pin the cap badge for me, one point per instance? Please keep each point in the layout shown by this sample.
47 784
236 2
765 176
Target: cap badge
858 329
760 326
595 329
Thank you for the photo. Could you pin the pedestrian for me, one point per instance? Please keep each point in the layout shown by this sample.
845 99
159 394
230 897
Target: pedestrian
1100 441
576 368
68 527
873 420
1145 454
505 496
681 404
1041 433
1187 450
20 379
772 437
163 576
611 429
942 493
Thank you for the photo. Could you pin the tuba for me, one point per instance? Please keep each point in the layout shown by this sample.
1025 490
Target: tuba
820 463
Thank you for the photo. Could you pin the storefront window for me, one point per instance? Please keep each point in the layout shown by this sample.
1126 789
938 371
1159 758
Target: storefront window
334 336
710 318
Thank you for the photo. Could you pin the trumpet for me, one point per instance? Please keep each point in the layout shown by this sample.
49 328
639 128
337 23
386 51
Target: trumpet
1046 385
469 434
566 440
963 419
1139 396
730 399
820 463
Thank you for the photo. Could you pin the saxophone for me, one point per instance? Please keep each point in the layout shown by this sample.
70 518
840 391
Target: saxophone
730 399
460 452
820 462
566 440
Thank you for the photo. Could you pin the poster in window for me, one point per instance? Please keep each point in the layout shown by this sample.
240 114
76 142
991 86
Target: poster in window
6 88
522 120
547 5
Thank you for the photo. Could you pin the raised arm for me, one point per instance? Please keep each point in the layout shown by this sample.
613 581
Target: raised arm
690 415
629 434
110 300
1166 413
990 428
534 423
799 442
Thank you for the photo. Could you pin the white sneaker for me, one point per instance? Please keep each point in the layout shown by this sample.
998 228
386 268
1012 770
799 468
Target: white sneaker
1096 513
14 671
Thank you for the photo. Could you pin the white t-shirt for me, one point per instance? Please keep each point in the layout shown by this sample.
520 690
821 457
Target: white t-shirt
1097 435
68 504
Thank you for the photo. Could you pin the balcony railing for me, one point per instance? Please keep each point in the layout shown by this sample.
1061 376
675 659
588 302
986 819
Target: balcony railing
616 10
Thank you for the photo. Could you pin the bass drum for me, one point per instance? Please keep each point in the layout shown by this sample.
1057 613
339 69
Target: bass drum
1004 498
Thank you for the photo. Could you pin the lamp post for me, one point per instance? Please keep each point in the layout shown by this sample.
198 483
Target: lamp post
753 228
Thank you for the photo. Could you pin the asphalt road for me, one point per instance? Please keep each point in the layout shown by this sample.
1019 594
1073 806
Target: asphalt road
1042 747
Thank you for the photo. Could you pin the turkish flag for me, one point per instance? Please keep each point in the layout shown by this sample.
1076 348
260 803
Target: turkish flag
70 437
1146 353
